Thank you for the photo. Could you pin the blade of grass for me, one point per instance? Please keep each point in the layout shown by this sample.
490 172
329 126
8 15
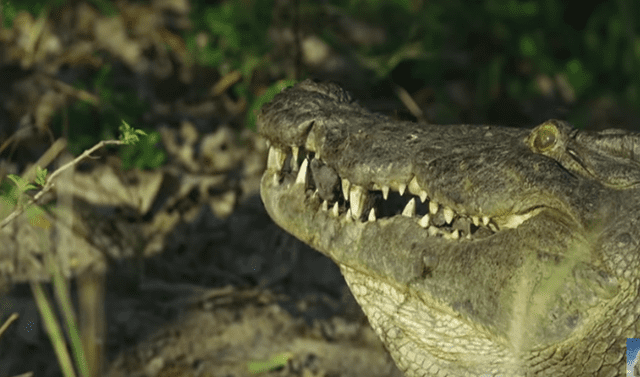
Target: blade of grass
53 329
8 322
61 291
92 322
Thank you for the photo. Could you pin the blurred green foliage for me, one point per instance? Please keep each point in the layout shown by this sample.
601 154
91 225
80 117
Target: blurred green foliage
500 47
11 8
238 38
116 106
594 45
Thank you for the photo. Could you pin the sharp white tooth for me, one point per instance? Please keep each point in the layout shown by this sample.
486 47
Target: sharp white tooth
301 178
372 215
335 210
432 231
325 205
293 161
294 152
452 236
280 157
349 217
357 195
424 221
271 159
485 220
514 221
410 209
345 188
423 196
385 192
433 207
276 158
448 214
493 227
476 220
414 187
401 189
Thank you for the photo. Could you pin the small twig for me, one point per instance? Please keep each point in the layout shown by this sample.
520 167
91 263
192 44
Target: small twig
8 323
49 184
409 103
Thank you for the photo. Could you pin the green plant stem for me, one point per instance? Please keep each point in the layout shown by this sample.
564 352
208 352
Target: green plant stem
49 184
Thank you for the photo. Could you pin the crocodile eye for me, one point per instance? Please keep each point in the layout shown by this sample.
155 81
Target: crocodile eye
545 137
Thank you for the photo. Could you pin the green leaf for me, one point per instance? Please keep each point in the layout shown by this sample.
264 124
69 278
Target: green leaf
130 135
275 362
528 46
41 176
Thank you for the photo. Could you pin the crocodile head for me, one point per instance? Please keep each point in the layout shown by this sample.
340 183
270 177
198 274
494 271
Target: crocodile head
473 250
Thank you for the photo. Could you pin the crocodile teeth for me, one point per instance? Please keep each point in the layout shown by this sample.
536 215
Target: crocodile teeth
410 209
345 188
357 195
515 220
357 199
301 178
385 192
348 216
276 158
433 207
414 187
335 210
372 215
448 214
453 235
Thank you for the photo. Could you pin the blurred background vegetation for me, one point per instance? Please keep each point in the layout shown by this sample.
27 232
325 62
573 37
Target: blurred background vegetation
510 62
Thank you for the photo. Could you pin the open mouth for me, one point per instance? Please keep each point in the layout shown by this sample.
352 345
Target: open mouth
349 202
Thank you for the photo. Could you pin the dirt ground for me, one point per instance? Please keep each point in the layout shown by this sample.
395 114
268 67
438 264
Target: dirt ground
253 293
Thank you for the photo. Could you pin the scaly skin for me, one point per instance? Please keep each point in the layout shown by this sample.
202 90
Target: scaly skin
499 251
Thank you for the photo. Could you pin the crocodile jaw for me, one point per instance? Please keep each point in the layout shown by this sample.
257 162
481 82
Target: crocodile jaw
426 332
423 335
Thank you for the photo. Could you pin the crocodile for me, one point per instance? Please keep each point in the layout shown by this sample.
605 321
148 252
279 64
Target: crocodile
474 250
